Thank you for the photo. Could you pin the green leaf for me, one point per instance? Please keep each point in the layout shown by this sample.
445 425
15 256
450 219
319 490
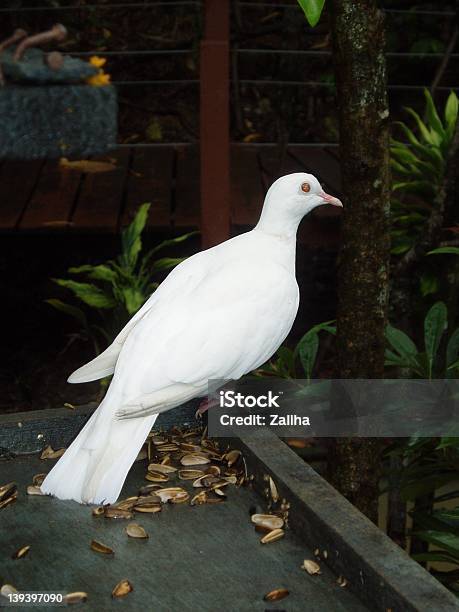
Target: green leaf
452 348
100 272
166 263
428 284
312 9
446 541
68 309
131 237
133 299
307 349
171 242
451 110
435 324
448 250
401 343
423 129
89 294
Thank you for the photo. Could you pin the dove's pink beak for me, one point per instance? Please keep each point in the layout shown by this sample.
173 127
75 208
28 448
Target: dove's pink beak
331 199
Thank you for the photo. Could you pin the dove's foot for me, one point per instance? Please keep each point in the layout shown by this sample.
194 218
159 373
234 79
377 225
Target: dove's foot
204 407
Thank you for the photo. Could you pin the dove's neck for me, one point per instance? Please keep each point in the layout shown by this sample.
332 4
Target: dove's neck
277 222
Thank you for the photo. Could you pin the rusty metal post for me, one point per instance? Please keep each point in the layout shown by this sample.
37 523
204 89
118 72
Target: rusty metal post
214 130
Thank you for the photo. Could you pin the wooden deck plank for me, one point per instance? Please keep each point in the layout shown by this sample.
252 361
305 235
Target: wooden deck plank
247 192
101 195
53 198
187 191
17 182
150 180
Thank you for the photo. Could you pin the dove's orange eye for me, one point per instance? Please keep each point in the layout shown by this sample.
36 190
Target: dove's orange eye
305 187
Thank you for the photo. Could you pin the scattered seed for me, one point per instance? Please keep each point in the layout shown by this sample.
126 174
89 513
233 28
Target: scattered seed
122 589
156 477
232 456
7 491
101 548
9 500
33 490
342 581
268 521
112 512
98 511
50 453
127 504
273 490
148 508
134 530
167 494
167 448
76 597
311 567
317 552
190 474
162 468
148 489
8 589
325 554
213 470
276 595
194 459
273 536
38 479
199 499
21 552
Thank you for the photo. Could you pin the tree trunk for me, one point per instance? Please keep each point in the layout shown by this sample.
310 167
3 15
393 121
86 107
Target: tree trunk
360 69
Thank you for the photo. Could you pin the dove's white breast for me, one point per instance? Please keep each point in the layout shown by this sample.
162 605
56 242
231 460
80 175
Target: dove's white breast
220 314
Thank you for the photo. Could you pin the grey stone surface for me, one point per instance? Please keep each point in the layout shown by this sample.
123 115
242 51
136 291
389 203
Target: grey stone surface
53 121
203 558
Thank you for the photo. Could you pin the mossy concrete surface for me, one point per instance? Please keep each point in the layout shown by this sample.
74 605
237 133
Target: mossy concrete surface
202 558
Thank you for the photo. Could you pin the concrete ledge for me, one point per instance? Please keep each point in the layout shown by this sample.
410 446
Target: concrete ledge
381 574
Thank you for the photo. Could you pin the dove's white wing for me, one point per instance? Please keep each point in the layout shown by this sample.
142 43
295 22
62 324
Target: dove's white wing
221 326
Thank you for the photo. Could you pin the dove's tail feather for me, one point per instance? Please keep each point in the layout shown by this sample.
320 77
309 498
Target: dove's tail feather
94 467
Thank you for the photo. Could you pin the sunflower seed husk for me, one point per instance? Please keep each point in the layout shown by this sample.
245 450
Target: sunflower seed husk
342 581
273 490
213 470
189 448
231 479
166 494
134 530
268 521
50 453
21 552
9 500
150 508
180 498
218 492
199 499
98 511
158 440
162 468
76 597
311 567
194 459
122 589
148 499
316 552
38 479
190 474
126 504
101 548
232 456
33 490
112 512
7 490
276 595
143 454
167 448
156 477
216 500
8 589
273 536
198 482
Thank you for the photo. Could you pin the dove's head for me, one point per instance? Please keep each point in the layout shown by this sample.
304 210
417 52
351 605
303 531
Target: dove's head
289 199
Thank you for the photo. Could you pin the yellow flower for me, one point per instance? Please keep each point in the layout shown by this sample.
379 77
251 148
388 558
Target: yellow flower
99 80
96 61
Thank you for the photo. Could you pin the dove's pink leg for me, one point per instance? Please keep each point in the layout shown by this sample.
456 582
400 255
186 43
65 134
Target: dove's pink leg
204 407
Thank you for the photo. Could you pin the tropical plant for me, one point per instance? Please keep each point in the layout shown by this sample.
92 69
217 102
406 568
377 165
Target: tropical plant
300 361
431 361
312 10
418 166
119 286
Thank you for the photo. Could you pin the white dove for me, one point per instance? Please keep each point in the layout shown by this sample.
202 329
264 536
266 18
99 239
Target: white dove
218 315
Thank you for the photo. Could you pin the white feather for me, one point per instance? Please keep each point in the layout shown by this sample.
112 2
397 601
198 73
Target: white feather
219 314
